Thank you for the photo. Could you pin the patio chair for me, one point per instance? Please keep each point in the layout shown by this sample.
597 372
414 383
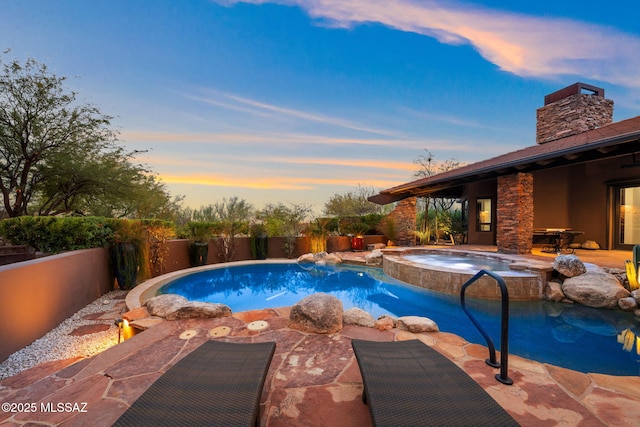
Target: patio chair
407 383
218 384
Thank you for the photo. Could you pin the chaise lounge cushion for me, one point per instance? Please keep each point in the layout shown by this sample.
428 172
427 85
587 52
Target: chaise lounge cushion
407 383
218 384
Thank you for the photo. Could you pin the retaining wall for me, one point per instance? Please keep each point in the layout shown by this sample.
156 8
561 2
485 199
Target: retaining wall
37 295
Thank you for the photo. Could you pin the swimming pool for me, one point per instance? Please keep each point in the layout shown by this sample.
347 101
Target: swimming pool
571 336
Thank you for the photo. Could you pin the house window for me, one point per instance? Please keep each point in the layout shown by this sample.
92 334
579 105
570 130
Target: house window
629 224
483 214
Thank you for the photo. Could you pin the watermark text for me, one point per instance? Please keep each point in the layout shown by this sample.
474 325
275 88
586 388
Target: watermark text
48 407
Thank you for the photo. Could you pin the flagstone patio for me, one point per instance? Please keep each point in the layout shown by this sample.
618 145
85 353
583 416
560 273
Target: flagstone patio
313 379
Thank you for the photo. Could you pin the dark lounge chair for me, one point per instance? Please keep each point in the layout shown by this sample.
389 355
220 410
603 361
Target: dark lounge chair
407 383
218 384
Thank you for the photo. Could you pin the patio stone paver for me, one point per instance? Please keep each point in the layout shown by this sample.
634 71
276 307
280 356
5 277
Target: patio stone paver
89 329
313 380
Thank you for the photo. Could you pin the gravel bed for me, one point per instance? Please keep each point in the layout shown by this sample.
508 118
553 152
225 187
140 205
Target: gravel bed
59 345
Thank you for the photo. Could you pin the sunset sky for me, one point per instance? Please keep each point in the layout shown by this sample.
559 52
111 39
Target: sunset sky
294 100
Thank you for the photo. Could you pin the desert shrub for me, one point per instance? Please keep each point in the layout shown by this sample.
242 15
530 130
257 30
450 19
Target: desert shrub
58 234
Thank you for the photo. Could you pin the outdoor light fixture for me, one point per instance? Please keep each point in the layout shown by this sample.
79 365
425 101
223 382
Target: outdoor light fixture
121 324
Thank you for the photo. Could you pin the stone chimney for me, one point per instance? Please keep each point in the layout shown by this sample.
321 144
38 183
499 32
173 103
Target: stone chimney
572 110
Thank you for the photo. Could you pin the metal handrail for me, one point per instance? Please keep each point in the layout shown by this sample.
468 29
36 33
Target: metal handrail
503 376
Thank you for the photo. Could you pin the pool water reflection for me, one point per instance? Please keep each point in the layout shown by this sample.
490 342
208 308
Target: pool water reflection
571 336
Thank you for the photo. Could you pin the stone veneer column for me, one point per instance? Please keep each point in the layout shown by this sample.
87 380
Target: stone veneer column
514 228
404 215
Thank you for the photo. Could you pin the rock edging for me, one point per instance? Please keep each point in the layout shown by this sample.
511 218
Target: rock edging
589 285
174 307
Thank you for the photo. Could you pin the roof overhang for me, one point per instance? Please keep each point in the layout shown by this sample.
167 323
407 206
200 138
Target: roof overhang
569 151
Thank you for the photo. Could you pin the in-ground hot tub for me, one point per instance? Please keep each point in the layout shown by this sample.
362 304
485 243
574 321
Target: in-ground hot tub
446 270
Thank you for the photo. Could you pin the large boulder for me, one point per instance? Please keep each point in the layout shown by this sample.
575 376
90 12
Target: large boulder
595 288
162 305
333 259
553 292
569 265
417 324
306 258
385 323
374 257
358 317
628 304
174 307
200 310
330 259
321 258
318 313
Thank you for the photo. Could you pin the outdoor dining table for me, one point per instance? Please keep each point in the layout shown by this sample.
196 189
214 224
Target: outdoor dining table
560 239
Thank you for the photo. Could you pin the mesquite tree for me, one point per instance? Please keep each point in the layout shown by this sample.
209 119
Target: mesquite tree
352 203
40 123
428 166
61 157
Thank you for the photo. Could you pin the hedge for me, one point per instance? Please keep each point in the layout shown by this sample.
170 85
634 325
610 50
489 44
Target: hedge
58 234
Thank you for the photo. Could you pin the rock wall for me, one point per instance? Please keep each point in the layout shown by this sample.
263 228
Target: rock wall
404 216
514 229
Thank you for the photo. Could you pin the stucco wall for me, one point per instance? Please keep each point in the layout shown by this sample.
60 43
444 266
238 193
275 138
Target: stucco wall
477 190
551 198
578 197
36 295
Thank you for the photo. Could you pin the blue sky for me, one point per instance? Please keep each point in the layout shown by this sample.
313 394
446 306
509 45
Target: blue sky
295 100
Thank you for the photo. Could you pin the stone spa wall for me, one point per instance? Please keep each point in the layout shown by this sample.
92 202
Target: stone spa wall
525 285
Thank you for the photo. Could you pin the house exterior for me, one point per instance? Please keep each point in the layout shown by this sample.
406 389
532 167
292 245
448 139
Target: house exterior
583 175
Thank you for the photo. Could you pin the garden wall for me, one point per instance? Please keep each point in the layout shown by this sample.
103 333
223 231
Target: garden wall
37 295
178 257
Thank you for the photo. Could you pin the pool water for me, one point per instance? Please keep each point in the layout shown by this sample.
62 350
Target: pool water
571 336
459 262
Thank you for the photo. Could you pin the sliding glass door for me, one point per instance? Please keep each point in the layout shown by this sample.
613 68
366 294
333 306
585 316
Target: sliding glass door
628 227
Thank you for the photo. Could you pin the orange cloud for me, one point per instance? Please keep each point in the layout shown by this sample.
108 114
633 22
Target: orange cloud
274 183
521 44
264 160
358 163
